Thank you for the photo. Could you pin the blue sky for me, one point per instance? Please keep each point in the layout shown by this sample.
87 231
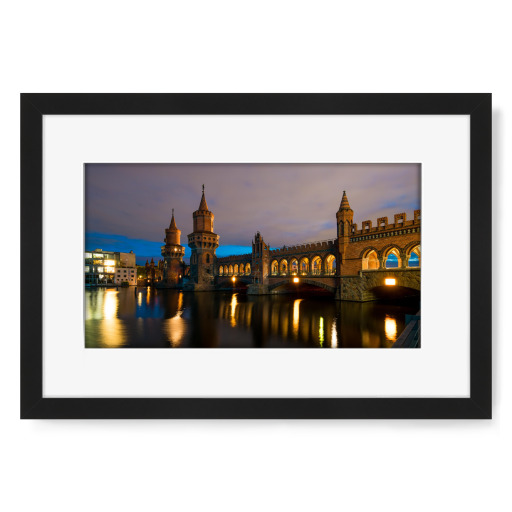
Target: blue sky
128 206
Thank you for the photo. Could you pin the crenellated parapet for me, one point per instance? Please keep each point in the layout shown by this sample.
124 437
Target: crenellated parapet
322 246
235 258
400 226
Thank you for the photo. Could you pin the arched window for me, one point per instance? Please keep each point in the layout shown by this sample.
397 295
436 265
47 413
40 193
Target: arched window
393 259
248 269
330 265
230 270
415 257
304 266
316 265
207 258
235 269
371 261
294 267
283 267
241 269
275 267
221 270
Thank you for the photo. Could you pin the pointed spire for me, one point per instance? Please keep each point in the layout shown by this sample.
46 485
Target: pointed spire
203 206
173 222
344 205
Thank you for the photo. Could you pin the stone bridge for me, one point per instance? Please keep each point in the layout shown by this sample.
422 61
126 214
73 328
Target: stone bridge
359 265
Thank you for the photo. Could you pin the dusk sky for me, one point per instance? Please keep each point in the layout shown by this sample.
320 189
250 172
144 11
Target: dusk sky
128 206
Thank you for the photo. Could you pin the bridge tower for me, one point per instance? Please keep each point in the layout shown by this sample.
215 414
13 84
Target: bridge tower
344 218
172 253
260 265
203 242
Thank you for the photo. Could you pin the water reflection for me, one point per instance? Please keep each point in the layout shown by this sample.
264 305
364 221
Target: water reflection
390 328
170 318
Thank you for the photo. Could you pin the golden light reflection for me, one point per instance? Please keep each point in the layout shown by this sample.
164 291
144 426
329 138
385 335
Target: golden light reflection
334 334
111 327
296 317
139 298
390 328
321 331
110 304
175 329
180 301
234 303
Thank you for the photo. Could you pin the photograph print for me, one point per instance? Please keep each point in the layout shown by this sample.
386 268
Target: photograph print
252 255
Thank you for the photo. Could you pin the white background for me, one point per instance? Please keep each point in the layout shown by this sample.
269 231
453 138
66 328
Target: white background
267 46
440 143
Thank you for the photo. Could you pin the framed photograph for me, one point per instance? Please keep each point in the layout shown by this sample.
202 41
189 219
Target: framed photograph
256 256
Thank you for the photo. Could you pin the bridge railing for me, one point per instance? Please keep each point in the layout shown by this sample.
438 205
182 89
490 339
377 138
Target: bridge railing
411 335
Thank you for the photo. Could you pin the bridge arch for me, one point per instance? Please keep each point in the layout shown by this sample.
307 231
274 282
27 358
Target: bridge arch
310 282
330 264
304 265
316 265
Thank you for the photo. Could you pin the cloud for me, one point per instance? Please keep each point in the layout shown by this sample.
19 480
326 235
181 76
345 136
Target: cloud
287 203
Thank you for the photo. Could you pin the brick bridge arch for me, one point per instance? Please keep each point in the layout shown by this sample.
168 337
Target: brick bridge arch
223 280
364 286
329 285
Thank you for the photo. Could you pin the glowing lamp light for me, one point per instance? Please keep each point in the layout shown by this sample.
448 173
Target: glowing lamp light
390 281
295 279
233 279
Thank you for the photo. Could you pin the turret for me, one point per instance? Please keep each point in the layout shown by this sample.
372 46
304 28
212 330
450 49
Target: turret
203 218
260 259
173 253
203 242
344 218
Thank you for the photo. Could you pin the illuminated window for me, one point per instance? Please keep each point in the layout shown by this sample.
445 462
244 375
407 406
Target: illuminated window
96 255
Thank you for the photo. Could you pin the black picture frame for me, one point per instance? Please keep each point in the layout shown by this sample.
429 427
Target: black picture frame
34 106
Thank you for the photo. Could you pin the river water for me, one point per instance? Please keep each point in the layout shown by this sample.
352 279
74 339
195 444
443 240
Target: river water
150 318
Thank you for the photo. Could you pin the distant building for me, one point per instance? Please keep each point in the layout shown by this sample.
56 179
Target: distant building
103 268
126 275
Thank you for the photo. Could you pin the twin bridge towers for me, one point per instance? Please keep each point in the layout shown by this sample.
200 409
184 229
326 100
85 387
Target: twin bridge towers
358 265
